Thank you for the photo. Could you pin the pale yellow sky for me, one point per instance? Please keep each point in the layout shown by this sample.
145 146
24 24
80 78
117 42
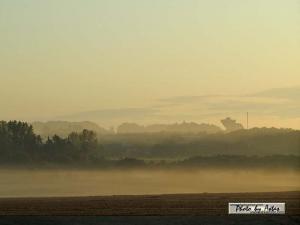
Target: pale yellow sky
113 60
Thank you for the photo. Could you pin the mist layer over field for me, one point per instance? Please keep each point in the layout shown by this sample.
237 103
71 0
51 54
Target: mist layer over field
40 183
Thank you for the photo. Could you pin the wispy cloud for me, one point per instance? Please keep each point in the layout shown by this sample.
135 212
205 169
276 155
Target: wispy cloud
188 99
125 113
292 93
281 103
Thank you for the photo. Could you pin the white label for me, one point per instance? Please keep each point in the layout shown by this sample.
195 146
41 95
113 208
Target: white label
256 208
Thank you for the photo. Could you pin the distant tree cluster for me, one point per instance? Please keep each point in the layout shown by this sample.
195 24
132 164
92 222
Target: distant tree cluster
163 145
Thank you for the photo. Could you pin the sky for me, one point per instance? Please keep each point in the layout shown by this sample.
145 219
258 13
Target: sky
158 61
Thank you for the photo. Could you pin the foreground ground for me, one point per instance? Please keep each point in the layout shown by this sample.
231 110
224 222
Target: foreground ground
151 205
150 220
177 209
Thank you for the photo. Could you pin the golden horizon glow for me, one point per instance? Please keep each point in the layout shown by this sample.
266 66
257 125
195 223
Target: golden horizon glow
61 58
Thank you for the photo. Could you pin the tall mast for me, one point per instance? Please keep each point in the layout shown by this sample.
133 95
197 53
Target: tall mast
247 120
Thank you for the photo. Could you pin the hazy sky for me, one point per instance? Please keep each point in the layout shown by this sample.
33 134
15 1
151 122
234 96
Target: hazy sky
117 60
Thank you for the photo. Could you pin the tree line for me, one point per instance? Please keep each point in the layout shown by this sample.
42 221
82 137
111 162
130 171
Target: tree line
20 145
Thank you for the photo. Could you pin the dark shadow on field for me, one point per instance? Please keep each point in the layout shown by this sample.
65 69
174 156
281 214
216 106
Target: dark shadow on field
151 220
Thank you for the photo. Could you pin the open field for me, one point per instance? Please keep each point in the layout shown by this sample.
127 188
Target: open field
175 204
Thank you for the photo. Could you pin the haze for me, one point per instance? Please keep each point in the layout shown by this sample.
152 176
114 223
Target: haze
150 61
42 183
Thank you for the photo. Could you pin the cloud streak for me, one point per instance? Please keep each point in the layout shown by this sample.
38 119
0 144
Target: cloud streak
129 113
283 104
